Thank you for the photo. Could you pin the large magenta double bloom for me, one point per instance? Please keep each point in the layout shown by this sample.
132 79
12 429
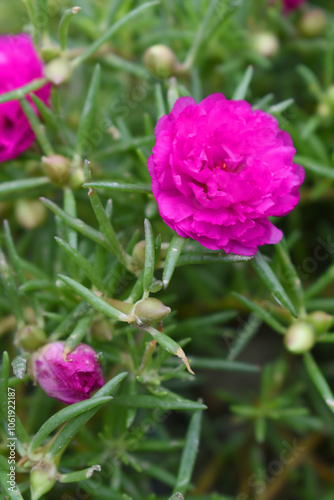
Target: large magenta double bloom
19 65
219 170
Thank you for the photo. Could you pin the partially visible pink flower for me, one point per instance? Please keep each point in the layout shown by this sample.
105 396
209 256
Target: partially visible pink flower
70 380
19 65
219 170
289 5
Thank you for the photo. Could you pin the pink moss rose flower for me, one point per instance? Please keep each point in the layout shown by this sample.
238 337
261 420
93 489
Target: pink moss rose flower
219 170
70 380
290 5
19 65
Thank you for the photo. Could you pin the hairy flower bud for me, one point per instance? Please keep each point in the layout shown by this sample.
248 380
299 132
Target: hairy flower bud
320 321
71 379
299 337
57 168
30 337
149 311
58 70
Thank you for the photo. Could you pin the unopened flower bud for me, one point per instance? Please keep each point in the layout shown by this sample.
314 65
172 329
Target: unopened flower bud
42 479
138 253
49 51
324 110
57 168
320 321
30 213
102 330
312 23
329 96
162 62
30 337
299 337
71 379
266 44
77 178
150 310
58 70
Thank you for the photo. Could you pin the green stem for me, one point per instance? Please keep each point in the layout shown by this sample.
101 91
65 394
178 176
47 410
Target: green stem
37 127
64 25
111 31
21 92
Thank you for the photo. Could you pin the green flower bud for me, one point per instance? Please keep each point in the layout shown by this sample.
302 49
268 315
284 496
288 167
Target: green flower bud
266 44
299 337
149 311
30 337
324 110
329 97
42 479
57 168
58 70
312 23
102 330
162 62
320 321
77 178
30 213
138 253
49 51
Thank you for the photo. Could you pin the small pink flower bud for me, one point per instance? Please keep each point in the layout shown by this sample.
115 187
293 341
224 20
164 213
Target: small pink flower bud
70 380
299 337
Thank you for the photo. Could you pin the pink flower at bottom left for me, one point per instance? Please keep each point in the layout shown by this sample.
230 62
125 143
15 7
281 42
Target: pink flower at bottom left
19 65
70 380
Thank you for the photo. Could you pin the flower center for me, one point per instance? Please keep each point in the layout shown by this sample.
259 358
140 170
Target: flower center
232 166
